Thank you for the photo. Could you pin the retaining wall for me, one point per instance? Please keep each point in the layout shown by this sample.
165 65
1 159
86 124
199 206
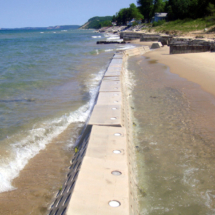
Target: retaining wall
91 185
181 49
149 37
130 35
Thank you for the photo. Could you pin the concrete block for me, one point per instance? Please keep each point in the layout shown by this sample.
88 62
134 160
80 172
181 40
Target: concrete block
109 98
110 86
156 45
106 115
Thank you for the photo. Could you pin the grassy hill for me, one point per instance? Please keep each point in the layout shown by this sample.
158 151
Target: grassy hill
96 22
181 27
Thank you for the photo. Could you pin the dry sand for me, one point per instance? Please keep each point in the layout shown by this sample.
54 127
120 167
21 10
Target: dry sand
196 67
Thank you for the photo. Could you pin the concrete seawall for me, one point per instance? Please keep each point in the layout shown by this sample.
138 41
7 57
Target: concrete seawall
101 179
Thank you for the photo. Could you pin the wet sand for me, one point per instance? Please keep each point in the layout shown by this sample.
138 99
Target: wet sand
196 67
41 178
174 123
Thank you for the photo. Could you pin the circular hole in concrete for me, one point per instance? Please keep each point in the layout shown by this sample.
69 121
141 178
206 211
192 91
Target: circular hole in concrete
113 118
116 151
116 173
114 108
117 134
114 203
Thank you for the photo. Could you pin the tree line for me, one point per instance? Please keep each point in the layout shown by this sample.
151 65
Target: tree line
175 9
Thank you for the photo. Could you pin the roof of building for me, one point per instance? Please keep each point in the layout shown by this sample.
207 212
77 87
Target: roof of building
160 14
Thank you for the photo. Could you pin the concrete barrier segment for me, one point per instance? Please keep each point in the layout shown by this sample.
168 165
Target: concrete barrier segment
156 45
109 98
103 182
116 61
106 115
97 186
112 74
110 86
115 64
111 78
118 56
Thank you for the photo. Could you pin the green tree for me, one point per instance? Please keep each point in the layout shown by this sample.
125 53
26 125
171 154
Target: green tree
159 6
127 14
135 13
146 8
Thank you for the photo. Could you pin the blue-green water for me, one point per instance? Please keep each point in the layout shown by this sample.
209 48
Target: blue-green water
48 80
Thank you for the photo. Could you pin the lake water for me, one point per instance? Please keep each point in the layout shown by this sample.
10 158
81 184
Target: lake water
48 83
174 141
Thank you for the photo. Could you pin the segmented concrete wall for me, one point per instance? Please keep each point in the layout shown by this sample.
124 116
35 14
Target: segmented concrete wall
181 49
62 198
130 35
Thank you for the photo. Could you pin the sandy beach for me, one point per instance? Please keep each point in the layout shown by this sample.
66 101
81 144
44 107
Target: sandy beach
196 67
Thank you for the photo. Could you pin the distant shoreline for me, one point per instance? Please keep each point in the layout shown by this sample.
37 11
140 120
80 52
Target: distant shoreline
61 27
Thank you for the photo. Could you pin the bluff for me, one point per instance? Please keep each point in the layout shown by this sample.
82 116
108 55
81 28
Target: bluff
96 22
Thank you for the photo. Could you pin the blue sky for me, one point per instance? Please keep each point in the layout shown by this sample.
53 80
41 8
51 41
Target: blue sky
43 13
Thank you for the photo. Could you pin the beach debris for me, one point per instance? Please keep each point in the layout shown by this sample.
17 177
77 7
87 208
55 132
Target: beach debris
76 149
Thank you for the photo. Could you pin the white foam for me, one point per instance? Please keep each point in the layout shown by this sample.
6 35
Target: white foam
42 32
125 47
37 138
109 50
209 197
189 177
96 37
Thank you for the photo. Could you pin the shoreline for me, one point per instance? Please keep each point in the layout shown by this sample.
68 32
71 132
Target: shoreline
195 67
174 140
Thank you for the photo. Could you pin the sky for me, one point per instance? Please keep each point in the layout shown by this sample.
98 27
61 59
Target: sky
44 13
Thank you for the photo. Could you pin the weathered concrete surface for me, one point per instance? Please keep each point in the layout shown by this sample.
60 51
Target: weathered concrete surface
111 78
150 37
137 51
110 86
106 115
130 35
180 49
114 64
165 40
113 73
156 45
116 61
96 186
118 56
113 68
109 98
188 45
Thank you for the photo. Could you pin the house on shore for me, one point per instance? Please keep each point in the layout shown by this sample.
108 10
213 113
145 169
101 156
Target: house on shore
159 16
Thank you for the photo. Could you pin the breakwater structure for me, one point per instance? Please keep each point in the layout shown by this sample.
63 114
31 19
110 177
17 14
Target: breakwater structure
178 45
101 178
183 45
